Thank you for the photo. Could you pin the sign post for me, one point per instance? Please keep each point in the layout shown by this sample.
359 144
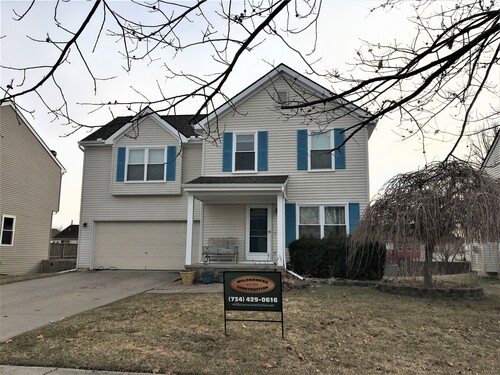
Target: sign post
253 291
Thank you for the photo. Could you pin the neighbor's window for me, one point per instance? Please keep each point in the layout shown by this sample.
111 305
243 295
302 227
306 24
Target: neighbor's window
146 164
7 230
321 156
244 152
321 221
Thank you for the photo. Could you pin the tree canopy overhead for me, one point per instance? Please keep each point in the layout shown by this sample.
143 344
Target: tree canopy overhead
440 85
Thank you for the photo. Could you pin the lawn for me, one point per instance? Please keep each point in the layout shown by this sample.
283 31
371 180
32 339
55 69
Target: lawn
328 329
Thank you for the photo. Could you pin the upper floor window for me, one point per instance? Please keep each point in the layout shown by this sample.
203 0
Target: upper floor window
146 164
244 152
7 230
321 155
322 221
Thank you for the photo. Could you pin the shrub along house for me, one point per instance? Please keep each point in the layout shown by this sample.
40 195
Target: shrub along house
156 191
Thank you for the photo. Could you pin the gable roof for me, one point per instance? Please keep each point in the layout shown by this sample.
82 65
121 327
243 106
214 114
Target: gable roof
490 151
279 71
18 113
180 123
69 232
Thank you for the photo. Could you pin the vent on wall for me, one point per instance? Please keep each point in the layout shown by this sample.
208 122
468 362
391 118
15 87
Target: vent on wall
280 97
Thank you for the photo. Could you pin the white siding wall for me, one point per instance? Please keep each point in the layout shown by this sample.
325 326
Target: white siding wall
147 134
30 182
230 221
492 167
98 204
490 253
258 113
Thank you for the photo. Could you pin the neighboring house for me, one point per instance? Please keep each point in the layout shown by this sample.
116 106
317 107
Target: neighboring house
486 257
30 184
67 235
53 232
404 251
155 191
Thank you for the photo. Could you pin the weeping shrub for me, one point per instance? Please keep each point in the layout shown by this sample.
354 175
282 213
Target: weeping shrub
333 257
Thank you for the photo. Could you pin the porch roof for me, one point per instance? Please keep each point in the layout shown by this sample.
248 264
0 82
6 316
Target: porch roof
237 189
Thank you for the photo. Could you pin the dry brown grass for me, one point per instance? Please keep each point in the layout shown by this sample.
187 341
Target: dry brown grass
328 329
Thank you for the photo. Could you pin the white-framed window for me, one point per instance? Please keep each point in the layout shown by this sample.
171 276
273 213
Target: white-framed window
146 164
245 152
321 145
318 221
7 230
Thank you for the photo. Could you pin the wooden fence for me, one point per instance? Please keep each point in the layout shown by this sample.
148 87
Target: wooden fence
63 250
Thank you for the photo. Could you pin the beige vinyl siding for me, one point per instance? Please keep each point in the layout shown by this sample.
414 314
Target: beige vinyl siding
141 245
230 220
258 113
30 182
147 134
98 204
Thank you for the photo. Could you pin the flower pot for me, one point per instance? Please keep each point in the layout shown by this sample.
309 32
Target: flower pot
188 277
208 278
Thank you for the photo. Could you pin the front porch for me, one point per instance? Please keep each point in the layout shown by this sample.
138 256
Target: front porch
249 210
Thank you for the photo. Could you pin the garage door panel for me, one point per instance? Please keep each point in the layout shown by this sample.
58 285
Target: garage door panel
141 245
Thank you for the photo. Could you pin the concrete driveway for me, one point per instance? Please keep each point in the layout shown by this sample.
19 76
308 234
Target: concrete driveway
31 304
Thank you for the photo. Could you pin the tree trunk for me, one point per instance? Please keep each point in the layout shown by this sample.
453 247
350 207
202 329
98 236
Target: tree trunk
429 248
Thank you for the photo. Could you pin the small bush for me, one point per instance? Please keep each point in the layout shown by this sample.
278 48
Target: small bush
334 257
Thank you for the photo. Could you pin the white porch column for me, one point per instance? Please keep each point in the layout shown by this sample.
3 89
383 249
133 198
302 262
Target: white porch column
281 230
189 232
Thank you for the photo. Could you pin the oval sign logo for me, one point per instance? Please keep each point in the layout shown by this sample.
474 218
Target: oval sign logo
252 284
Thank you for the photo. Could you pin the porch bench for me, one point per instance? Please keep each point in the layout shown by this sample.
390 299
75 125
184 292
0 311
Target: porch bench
221 249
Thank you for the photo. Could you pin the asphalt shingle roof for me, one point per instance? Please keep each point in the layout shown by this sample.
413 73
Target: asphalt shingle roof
178 122
239 180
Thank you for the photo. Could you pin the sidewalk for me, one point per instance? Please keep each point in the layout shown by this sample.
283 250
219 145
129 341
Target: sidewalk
17 370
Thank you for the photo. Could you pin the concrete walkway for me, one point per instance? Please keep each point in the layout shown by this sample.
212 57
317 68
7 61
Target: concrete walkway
16 370
31 304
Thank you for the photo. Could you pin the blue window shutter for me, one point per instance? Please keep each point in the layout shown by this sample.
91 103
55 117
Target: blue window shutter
302 161
353 216
120 164
171 161
262 146
227 152
339 154
290 223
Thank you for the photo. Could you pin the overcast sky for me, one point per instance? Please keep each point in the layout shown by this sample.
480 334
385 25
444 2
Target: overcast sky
343 24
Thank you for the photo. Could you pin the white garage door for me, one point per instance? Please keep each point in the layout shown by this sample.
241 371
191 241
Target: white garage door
141 245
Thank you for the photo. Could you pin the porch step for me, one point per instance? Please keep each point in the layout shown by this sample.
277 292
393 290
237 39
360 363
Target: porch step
218 268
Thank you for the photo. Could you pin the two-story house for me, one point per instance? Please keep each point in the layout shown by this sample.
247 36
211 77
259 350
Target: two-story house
156 189
30 185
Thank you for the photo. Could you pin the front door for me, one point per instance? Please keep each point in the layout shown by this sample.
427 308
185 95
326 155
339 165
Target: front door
258 244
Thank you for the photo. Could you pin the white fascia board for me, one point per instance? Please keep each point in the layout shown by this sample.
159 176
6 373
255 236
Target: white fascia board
147 112
269 77
233 188
28 125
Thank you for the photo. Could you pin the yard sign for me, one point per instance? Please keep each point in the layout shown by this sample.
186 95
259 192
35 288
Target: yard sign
253 291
